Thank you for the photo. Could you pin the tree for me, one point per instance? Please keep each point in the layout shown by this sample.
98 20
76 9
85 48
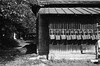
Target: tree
17 16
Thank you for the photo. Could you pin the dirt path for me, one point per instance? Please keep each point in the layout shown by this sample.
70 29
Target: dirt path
26 61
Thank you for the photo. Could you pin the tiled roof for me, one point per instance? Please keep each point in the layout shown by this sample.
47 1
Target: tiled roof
75 10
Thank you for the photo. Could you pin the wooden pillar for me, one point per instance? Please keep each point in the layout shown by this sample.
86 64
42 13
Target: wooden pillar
81 48
43 35
96 50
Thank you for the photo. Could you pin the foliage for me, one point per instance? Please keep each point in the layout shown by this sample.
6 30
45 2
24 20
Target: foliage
19 13
16 16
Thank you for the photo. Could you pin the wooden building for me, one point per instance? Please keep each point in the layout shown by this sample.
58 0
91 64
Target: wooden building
68 24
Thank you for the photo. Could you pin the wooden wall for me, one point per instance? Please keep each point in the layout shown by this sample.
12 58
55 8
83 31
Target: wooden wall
43 29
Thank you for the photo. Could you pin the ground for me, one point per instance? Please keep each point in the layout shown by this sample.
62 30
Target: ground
15 58
35 60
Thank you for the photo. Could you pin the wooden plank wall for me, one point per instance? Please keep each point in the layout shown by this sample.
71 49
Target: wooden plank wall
61 48
43 30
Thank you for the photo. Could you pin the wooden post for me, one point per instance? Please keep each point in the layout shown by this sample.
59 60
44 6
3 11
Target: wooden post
43 35
96 50
96 45
81 48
